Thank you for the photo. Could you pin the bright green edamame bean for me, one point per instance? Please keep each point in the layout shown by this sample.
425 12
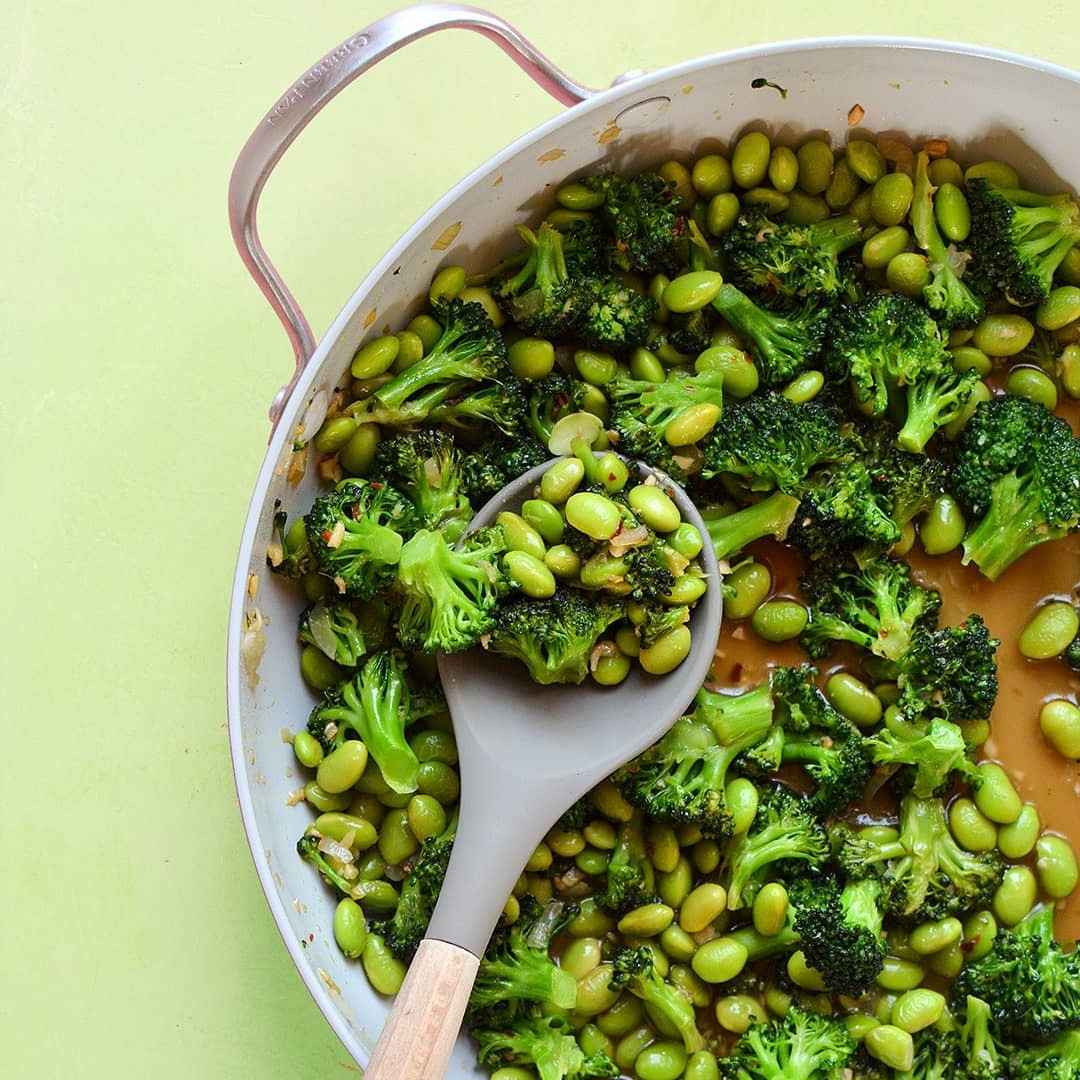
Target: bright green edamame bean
477 294
770 909
704 904
645 365
858 1024
952 213
324 801
350 928
611 668
860 209
865 160
943 527
337 826
1049 631
375 357
851 697
803 209
702 1066
340 769
358 453
318 670
447 284
646 921
545 518
1015 896
520 535
737 1012
563 561
899 975
783 171
593 863
437 779
773 202
804 387
1018 838
722 213
884 246
561 480
745 588
434 745
802 974
308 749
972 829
611 471
577 196
777 1001
995 173
426 817
931 937
1003 335
890 200
1033 384
667 652
979 933
686 540
995 795
627 641
1059 721
678 944
594 992
596 368
531 358
334 434
383 970
1055 863
581 956
917 1009
1059 309
512 1072
410 349
750 159
779 620
908 273
626 1014
602 571
590 921
740 375
565 842
843 187
654 507
815 166
719 960
594 515
945 171
396 841
688 589
663 846
891 1046
742 802
711 175
593 1041
968 358
630 1046
692 291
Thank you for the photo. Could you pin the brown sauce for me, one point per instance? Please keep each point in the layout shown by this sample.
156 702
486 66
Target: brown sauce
1040 774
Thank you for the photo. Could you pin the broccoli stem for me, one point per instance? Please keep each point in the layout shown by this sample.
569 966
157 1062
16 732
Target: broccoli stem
737 720
770 517
760 946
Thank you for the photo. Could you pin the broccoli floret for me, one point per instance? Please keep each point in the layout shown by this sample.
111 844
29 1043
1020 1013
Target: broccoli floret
426 466
661 620
1019 239
801 706
788 260
576 816
550 399
1030 984
690 332
658 405
334 629
375 705
630 881
772 516
1071 655
782 344
1017 474
288 553
875 606
736 719
648 573
356 533
503 405
928 758
516 966
771 442
546 1043
839 767
486 470
1058 1061
840 932
924 873
946 295
331 871
643 218
448 594
470 349
784 831
949 672
405 929
908 482
541 297
800 1046
554 637
635 970
983 1058
933 402
939 1055
614 316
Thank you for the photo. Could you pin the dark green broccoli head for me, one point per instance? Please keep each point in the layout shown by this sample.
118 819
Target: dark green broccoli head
355 534
801 706
907 482
544 1043
799 1046
550 399
426 466
689 332
503 405
613 315
657 406
983 1057
838 765
486 470
1058 1061
334 629
635 969
1016 472
648 573
643 218
1071 655
541 296
629 880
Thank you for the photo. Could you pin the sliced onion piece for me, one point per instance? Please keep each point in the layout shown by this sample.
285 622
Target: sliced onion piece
579 425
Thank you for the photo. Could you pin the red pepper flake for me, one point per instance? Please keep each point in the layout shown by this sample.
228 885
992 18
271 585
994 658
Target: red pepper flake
311 937
326 534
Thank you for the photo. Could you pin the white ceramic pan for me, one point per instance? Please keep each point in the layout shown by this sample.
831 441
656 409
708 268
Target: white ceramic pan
986 103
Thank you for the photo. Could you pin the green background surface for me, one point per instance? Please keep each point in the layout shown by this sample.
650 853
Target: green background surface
138 361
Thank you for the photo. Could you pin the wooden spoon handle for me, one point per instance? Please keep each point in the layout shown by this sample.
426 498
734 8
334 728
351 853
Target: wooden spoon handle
420 1031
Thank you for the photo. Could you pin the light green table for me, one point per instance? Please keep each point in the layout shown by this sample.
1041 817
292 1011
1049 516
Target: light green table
138 361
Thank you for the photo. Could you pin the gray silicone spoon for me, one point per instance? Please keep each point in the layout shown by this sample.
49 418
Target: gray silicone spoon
527 752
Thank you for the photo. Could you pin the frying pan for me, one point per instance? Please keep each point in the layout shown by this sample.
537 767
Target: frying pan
988 104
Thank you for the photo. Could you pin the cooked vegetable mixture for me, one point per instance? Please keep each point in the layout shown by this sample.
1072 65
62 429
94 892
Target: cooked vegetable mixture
814 878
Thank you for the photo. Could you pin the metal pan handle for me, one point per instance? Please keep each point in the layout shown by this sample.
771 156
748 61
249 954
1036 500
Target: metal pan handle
314 89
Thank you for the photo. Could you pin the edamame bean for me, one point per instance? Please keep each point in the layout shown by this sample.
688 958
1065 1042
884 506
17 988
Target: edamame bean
1069 268
884 246
611 668
943 527
647 920
545 518
777 1001
851 697
318 670
995 795
968 358
865 160
594 515
686 540
971 827
803 209
843 187
630 1046
705 855
308 749
447 284
607 798
663 846
711 175
426 817
594 992
350 928
578 196
324 801
396 840
1015 896
908 273
427 329
719 960
745 588
626 1014
1059 309
561 480
677 944
692 291
1033 384
858 1024
779 620
678 178
596 368
931 937
530 574
783 171
979 933
338 826
702 1066
562 561
611 471
899 975
770 909
802 974
737 1012
531 357
358 453
334 434
815 166
688 589
995 173
591 862
477 294
773 202
645 365
750 159
1049 631
917 1009
581 956
1055 864
1018 838
512 1072
433 745
383 970
1003 335
890 200
740 375
952 213
945 171
410 349
341 768
804 387
741 798
860 209
520 535
593 1041
667 652
654 507
891 1047
375 357
437 779
722 213
661 1061
702 906
1059 721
